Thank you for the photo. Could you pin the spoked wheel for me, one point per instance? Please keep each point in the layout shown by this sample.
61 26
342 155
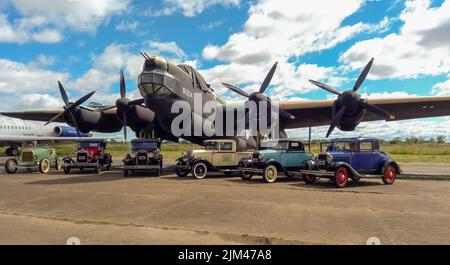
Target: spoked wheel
341 177
199 170
44 166
309 179
389 175
11 166
270 173
180 172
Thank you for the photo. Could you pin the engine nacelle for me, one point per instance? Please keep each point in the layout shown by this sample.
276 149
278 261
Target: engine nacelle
67 131
350 120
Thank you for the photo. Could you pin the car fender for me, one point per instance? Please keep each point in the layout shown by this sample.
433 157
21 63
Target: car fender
203 160
384 164
309 164
348 166
274 162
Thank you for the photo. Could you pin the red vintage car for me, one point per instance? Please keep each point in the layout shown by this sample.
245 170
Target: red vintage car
90 155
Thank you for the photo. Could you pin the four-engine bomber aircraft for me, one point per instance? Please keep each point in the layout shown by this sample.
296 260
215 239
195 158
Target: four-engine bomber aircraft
161 83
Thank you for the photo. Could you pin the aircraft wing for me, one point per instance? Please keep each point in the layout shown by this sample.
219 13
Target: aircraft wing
309 113
44 115
10 140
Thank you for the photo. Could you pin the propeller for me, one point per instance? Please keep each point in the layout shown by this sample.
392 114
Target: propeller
350 101
123 103
259 96
70 107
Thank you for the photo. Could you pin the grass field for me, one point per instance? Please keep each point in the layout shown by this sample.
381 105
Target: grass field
401 152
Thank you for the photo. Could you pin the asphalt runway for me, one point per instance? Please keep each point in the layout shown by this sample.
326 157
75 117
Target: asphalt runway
111 209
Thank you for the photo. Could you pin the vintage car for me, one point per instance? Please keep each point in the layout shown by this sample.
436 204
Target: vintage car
217 155
90 155
32 159
144 156
284 155
354 158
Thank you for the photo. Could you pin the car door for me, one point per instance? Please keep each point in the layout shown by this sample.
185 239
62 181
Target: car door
291 158
365 159
225 155
343 152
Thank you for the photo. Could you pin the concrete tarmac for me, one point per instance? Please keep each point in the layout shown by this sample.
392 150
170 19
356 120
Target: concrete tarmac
111 209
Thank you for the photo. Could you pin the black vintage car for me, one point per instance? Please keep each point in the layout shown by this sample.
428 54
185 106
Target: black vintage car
144 156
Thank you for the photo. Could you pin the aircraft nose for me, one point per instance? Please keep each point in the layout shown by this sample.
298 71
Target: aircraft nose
159 103
156 63
155 78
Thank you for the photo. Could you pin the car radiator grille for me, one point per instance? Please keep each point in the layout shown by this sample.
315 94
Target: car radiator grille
81 157
141 158
27 156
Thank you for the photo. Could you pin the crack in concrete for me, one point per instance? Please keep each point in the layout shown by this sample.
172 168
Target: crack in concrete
238 238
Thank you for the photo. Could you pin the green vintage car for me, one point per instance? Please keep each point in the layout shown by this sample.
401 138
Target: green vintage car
32 159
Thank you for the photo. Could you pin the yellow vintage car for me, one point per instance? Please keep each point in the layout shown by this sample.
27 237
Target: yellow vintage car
216 155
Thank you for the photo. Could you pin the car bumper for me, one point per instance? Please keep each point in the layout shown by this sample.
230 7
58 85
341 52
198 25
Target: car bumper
140 167
78 165
318 173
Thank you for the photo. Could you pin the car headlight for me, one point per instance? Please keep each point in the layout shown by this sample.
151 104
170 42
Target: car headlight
35 157
150 155
133 155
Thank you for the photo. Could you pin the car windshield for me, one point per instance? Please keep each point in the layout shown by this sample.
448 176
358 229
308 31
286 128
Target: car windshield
144 146
210 145
82 145
282 145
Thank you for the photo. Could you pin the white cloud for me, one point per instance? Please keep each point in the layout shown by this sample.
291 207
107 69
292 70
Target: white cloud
18 77
282 31
386 130
106 66
30 102
127 25
44 21
420 48
190 8
170 48
442 89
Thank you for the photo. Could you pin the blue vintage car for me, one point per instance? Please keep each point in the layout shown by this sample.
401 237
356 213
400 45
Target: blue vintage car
354 158
284 155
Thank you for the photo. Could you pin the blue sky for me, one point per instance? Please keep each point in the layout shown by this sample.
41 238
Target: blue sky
85 44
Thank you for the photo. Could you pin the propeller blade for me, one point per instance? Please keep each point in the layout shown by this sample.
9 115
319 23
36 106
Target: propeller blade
124 118
268 78
336 121
55 117
236 90
81 100
138 101
123 89
63 94
326 87
363 75
286 114
377 110
74 121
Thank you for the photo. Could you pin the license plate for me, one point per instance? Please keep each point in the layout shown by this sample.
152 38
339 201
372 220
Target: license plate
142 157
321 163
